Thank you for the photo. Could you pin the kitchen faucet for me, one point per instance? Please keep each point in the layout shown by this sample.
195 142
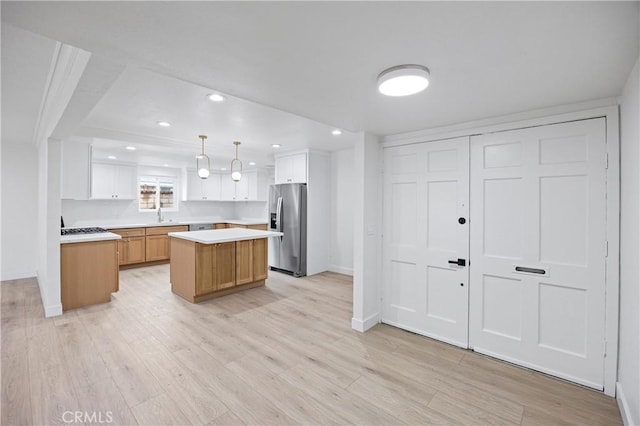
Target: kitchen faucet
159 214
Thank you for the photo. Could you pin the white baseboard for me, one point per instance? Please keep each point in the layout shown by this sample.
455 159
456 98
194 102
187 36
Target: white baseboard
341 270
362 326
17 275
623 406
53 311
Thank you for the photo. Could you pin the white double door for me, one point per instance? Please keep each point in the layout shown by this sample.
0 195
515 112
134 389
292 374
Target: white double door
426 234
534 293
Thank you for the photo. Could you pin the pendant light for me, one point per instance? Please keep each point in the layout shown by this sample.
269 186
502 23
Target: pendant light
201 167
236 165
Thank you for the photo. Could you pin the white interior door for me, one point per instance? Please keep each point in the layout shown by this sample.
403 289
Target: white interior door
538 247
426 206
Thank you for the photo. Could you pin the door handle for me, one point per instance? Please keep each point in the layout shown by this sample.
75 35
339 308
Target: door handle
459 262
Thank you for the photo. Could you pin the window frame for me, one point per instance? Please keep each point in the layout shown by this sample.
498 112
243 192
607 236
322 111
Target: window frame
158 181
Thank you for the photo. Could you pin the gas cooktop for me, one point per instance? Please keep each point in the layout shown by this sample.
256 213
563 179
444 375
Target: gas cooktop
76 231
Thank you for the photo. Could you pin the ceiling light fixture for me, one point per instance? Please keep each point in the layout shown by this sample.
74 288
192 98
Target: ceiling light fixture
252 163
130 148
236 165
336 132
112 157
276 145
215 97
403 80
164 123
203 170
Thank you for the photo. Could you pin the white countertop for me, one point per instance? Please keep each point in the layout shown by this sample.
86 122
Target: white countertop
86 238
119 224
214 236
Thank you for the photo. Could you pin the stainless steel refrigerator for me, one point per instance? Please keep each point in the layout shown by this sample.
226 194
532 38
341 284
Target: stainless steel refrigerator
288 214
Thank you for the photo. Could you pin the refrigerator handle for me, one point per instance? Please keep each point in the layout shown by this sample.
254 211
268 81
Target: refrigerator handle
279 215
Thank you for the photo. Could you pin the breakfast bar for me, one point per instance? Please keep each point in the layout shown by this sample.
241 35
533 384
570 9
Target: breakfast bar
214 263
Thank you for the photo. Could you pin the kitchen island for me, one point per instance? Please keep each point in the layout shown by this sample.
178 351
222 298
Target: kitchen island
214 263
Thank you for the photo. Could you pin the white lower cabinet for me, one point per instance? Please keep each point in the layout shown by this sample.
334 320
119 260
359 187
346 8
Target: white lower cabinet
113 181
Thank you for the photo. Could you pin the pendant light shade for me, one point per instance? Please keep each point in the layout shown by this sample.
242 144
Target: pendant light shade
203 164
403 80
236 165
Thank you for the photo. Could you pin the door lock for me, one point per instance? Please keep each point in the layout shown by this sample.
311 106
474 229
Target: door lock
459 262
462 221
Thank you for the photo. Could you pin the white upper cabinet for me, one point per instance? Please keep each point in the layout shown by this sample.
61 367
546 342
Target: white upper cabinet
291 168
113 181
227 188
203 189
76 170
247 187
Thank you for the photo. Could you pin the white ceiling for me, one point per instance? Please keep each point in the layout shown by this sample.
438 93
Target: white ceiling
319 60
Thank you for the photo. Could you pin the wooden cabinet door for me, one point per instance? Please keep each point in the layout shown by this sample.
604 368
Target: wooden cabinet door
226 265
260 269
157 247
235 225
135 250
206 274
244 262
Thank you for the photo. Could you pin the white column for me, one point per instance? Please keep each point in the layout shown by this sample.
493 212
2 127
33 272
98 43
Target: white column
366 233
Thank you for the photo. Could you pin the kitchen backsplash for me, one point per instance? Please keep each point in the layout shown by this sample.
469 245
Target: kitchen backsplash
121 211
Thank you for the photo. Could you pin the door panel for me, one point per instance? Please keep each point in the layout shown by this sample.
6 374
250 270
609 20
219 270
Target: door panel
426 192
538 248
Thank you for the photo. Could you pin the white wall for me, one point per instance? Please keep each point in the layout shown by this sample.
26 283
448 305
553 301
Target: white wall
341 221
19 211
628 393
366 232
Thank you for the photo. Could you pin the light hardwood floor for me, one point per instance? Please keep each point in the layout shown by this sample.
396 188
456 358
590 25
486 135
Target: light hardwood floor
281 354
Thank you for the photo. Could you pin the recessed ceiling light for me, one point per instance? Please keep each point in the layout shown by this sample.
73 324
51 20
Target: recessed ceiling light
216 97
164 123
403 80
336 132
276 145
112 157
166 165
130 148
252 163
223 168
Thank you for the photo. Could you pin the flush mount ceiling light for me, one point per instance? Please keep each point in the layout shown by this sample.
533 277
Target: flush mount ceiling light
201 167
215 97
164 123
336 132
236 165
403 80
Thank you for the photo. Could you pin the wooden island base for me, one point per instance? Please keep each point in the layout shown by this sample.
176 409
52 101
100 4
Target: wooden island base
204 271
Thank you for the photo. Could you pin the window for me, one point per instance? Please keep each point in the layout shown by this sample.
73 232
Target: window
157 191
